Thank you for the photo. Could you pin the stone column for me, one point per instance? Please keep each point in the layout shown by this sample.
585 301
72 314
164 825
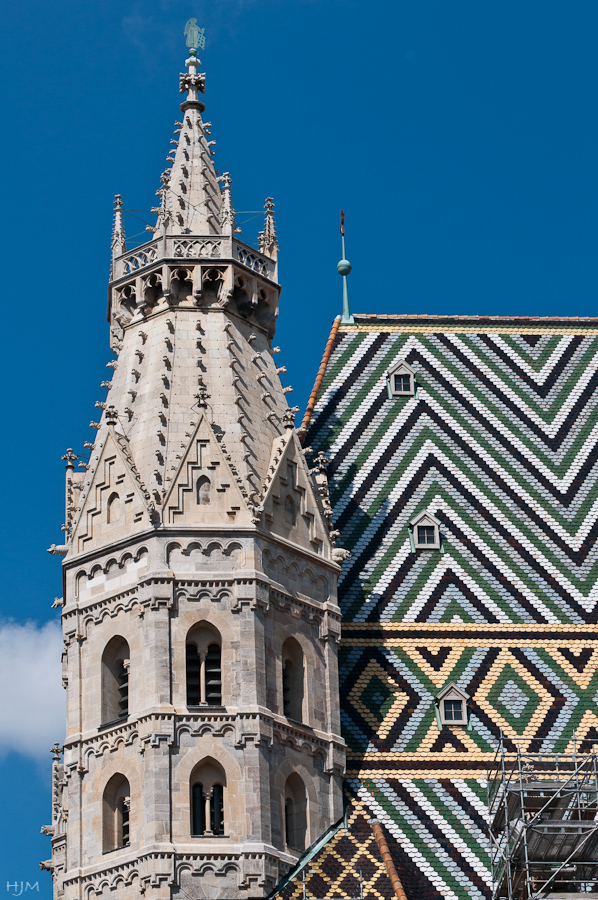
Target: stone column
202 678
207 816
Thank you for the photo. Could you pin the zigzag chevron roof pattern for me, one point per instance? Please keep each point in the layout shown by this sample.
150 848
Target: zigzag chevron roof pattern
500 444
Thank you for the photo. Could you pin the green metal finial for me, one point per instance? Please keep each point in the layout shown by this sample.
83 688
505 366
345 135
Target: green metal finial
344 268
195 36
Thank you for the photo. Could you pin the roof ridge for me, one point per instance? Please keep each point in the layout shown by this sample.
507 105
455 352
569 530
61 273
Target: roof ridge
319 378
435 316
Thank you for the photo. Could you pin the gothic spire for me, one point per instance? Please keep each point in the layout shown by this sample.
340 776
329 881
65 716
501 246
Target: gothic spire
119 245
228 213
268 242
191 202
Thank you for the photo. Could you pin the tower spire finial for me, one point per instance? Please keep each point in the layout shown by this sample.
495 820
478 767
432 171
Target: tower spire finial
193 81
190 198
344 268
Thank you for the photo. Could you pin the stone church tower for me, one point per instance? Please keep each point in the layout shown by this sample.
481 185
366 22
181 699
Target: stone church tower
199 612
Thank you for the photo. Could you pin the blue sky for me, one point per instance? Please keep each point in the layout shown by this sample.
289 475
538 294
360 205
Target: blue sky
460 138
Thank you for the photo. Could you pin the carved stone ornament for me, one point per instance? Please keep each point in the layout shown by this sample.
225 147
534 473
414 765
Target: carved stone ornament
339 555
111 415
288 419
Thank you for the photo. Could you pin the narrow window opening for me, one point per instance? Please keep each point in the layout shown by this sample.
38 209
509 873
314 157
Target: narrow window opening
124 812
288 819
213 676
217 809
295 813
123 689
287 680
115 680
292 680
203 490
290 514
113 508
193 676
116 809
198 820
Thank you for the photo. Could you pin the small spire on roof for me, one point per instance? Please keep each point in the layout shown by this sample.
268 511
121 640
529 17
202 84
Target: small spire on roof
268 243
227 215
119 245
344 268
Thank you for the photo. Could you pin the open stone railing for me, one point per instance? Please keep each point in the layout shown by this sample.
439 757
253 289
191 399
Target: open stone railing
198 247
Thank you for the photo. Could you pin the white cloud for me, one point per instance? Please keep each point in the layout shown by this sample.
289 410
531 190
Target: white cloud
32 707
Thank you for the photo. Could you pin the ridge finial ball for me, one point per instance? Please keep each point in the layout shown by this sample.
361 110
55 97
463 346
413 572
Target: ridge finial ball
344 267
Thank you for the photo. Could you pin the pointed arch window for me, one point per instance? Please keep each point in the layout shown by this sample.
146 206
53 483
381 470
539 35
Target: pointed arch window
203 489
211 285
400 380
181 284
116 810
293 680
204 666
295 813
208 786
115 680
113 508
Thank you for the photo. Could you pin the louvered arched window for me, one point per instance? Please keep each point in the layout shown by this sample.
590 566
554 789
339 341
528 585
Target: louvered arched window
204 666
293 679
116 810
295 813
115 680
208 785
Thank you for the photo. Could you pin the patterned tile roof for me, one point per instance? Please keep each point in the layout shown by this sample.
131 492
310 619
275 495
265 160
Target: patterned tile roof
349 861
410 317
499 443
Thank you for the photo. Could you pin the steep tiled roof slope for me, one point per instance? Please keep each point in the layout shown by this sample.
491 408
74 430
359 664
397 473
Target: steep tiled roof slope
348 861
499 443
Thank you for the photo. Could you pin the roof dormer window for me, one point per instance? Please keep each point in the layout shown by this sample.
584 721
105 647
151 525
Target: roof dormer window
400 380
452 705
425 529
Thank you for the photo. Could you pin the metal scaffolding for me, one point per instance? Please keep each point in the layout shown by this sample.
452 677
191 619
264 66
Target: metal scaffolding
543 825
